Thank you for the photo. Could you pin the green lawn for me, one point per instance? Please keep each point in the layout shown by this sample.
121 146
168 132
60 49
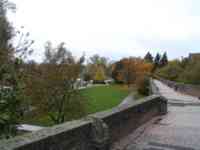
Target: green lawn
104 97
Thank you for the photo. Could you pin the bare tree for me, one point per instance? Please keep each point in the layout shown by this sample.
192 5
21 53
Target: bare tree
52 87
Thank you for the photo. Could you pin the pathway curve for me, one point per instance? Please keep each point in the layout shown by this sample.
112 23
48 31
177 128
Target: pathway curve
127 101
178 130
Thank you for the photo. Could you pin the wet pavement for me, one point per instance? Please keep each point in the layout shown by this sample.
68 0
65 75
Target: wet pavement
178 130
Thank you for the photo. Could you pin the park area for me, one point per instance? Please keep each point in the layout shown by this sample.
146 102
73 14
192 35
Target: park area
104 97
99 98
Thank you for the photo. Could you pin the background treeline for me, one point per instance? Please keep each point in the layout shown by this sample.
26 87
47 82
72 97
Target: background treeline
185 70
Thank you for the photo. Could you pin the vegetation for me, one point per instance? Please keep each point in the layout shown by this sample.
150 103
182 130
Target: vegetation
12 97
156 63
97 69
96 101
99 75
148 58
51 87
185 70
164 60
171 71
12 100
134 71
143 84
127 70
6 34
191 74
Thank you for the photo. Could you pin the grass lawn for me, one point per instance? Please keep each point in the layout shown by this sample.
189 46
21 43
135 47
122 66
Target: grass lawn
104 97
99 98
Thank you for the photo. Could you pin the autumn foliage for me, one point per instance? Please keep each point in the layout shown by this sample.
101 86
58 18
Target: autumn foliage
127 70
50 86
99 74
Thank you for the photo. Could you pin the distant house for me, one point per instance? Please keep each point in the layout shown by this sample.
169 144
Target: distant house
194 56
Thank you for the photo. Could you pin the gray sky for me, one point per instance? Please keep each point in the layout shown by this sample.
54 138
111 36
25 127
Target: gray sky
112 28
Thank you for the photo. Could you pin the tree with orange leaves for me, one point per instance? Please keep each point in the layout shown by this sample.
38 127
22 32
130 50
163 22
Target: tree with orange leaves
127 70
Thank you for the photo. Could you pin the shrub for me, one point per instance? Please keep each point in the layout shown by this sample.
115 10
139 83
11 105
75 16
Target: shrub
87 77
142 84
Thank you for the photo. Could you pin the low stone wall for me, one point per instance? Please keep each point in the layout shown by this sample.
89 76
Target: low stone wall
189 89
96 132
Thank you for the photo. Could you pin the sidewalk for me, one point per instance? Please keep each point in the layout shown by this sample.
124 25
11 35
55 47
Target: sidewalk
128 100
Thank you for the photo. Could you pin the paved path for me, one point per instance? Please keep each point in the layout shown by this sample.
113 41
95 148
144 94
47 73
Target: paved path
176 97
128 100
178 130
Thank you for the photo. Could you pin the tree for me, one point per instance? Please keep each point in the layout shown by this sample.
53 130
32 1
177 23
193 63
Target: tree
96 59
6 34
148 58
12 99
142 84
184 62
191 73
164 60
157 61
23 45
170 71
11 77
123 71
52 88
95 62
127 70
116 71
99 75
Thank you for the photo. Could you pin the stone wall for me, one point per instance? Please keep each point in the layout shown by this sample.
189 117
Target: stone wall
189 89
96 132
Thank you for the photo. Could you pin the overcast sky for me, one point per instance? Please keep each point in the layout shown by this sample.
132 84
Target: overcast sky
112 28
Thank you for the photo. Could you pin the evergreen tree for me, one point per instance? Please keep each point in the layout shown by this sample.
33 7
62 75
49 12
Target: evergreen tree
164 60
148 58
157 61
